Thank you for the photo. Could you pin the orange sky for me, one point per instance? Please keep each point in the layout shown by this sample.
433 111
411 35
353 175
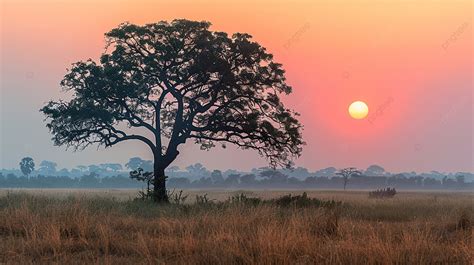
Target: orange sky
411 61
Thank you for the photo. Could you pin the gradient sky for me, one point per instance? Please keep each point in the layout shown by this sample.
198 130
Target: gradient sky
410 61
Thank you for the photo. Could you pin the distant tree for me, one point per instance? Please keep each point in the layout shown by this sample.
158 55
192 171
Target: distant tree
347 173
197 170
173 169
63 172
75 172
230 172
47 167
179 182
293 181
326 172
257 171
374 170
136 162
94 169
90 180
114 167
299 172
217 177
232 180
248 179
274 176
82 168
460 179
178 81
445 180
203 182
27 165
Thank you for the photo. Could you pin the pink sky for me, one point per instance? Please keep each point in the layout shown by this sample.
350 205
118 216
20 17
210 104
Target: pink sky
410 61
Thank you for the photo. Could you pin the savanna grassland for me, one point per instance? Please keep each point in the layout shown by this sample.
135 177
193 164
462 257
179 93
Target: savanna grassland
226 227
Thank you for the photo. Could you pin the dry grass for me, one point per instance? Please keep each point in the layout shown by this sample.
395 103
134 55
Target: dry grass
413 228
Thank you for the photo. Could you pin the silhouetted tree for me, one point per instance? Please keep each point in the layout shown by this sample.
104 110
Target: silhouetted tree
178 81
27 165
347 173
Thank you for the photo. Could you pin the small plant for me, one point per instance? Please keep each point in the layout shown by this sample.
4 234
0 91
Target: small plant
203 199
243 199
177 197
383 193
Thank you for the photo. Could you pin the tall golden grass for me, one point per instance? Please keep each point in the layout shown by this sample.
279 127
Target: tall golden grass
410 229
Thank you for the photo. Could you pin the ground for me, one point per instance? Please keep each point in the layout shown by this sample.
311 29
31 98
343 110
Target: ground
108 227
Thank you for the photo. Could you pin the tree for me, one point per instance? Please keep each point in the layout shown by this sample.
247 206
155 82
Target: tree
27 165
136 162
197 170
347 173
274 176
82 168
326 172
217 177
232 180
248 179
374 170
63 172
114 167
460 179
94 169
48 167
177 81
173 169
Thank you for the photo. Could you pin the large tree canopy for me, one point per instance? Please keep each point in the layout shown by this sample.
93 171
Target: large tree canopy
178 81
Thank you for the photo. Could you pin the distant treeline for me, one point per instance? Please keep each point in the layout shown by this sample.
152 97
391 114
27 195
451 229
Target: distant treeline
266 179
114 175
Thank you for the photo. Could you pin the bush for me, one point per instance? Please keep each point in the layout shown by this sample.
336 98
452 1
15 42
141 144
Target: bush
383 193
243 199
304 201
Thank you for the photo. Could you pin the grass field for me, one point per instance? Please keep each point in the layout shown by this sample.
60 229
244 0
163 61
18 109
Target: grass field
106 227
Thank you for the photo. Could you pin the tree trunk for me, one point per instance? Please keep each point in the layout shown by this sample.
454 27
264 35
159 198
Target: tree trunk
159 187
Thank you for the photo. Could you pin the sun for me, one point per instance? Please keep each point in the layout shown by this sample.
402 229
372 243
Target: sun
358 110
